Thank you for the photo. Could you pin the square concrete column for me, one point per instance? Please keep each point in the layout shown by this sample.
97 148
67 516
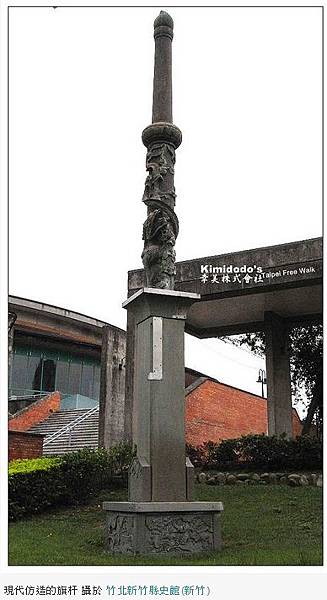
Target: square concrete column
11 331
10 356
129 378
159 472
279 396
112 387
160 516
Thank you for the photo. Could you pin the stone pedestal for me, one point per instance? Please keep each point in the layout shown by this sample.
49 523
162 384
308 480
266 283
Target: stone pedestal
175 528
159 473
160 516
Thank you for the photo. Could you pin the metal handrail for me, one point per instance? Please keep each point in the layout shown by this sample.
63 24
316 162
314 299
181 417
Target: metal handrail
70 426
35 394
31 397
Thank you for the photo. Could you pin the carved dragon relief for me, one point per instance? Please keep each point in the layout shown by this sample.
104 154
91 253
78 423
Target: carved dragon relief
160 162
160 229
182 533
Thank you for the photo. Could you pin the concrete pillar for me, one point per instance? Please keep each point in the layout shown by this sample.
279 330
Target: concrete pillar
160 472
11 331
279 396
112 388
129 381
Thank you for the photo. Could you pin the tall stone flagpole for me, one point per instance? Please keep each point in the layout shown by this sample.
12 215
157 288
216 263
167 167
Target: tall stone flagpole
160 515
160 230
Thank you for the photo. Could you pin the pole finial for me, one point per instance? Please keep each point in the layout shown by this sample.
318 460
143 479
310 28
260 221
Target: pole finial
163 25
163 20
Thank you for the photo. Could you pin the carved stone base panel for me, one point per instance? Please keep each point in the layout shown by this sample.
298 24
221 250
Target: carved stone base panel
175 528
120 534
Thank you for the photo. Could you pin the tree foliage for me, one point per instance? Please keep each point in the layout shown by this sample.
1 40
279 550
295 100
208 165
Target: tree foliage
306 358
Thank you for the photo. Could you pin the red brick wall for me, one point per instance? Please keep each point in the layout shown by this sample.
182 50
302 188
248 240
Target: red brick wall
218 412
297 425
24 445
35 413
190 378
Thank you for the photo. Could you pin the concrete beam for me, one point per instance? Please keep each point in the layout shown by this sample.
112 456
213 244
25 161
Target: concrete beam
214 332
284 265
37 318
289 283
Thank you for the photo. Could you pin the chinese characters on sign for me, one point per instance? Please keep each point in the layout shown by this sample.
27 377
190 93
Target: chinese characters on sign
230 274
258 278
111 591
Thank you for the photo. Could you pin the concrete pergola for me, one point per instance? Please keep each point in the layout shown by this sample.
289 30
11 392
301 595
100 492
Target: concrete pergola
283 290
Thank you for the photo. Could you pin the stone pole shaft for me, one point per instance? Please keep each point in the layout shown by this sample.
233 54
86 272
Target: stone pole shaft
162 80
161 139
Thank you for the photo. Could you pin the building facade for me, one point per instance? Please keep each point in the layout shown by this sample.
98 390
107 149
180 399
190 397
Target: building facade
56 350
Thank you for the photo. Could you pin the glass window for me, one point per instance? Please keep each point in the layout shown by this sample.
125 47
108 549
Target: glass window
62 374
33 362
19 369
48 375
37 379
75 373
40 368
87 380
96 388
51 354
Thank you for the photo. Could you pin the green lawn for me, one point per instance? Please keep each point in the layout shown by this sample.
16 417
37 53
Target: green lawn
262 525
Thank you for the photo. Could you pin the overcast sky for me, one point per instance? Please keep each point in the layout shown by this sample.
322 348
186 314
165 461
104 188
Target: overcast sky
247 96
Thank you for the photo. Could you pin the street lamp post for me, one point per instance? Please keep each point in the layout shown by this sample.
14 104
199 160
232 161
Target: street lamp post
263 380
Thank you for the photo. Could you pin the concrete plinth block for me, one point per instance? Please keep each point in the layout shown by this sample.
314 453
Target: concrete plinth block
189 479
174 528
139 480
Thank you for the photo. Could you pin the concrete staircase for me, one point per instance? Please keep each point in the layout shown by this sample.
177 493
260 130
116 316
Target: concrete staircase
82 433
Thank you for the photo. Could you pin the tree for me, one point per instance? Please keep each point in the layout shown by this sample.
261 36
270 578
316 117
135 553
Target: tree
306 358
306 352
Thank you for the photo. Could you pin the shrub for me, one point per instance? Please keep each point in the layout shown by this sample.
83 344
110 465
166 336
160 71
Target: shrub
121 457
37 484
226 453
32 490
309 452
269 452
197 455
259 452
25 465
